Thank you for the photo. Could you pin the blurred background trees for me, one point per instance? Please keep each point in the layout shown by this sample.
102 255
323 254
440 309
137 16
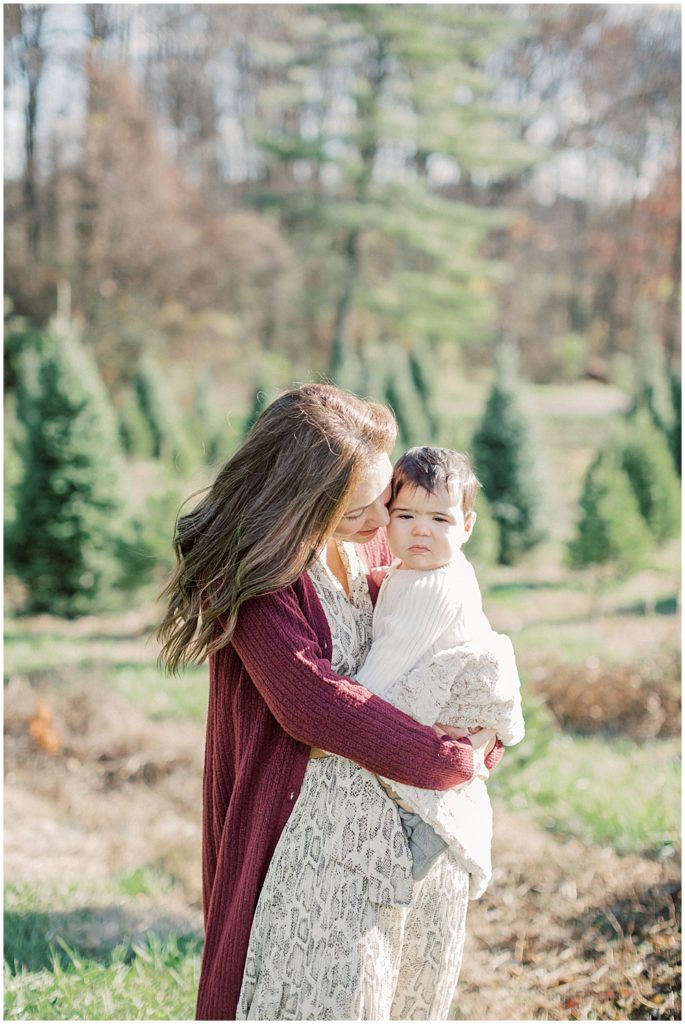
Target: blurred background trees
221 200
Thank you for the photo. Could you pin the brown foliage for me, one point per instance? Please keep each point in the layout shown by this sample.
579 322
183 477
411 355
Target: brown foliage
641 701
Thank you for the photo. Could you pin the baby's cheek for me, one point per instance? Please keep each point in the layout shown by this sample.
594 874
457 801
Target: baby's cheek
393 536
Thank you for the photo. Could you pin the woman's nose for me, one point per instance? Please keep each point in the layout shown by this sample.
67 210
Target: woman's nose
379 514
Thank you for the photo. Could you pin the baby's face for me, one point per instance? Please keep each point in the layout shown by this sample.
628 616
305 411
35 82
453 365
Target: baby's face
427 530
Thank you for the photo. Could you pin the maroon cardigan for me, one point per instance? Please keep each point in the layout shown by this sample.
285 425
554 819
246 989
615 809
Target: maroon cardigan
272 697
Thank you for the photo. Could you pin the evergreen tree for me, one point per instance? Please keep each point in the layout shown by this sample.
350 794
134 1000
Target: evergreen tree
69 507
483 544
402 397
645 457
272 373
652 384
364 208
346 368
423 376
610 529
675 433
258 404
157 407
504 462
208 426
134 430
374 372
13 442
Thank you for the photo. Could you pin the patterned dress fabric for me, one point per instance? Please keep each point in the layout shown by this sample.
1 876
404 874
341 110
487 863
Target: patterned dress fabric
341 931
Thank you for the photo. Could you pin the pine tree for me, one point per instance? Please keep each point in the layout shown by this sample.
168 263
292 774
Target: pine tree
644 455
258 404
208 427
483 544
675 433
402 397
134 430
69 503
383 244
504 462
374 371
610 529
652 385
423 376
168 442
346 368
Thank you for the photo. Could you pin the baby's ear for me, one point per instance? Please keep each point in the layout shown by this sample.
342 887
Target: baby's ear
469 523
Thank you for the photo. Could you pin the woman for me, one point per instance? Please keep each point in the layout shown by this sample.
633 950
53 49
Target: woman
270 586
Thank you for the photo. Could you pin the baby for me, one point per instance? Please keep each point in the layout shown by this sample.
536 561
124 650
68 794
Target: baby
429 610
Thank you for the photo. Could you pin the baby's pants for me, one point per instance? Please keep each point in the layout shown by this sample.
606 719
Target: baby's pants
341 932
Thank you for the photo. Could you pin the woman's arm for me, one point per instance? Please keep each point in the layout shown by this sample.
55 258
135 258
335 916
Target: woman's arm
282 655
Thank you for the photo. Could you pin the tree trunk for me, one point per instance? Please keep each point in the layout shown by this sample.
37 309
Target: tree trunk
34 59
368 151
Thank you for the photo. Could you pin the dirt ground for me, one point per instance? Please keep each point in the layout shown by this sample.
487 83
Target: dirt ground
94 789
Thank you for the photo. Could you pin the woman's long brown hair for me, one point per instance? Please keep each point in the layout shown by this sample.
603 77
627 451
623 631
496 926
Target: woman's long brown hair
271 509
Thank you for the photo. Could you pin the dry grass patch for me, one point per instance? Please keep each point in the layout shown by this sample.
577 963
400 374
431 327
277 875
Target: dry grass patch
568 932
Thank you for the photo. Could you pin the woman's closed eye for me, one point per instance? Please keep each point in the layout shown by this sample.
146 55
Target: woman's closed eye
354 515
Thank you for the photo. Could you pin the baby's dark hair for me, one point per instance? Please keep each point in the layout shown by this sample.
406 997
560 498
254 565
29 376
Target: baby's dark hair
433 468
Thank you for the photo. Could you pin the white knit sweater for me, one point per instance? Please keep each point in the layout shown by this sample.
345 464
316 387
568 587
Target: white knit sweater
436 617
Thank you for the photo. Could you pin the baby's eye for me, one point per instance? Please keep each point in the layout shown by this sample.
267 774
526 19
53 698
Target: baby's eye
440 519
404 515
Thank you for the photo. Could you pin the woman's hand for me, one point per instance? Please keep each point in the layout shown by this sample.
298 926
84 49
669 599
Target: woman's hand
495 756
455 732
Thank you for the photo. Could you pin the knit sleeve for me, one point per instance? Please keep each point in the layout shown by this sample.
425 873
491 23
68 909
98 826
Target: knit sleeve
411 613
282 655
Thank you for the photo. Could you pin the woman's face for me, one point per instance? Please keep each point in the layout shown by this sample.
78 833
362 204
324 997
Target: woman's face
366 509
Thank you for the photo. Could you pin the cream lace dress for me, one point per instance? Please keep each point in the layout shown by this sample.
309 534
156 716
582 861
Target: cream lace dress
341 931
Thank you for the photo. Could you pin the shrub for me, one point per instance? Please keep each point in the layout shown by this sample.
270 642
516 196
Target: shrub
644 455
610 528
69 507
504 462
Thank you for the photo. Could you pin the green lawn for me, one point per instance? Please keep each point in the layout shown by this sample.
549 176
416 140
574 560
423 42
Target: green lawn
153 981
71 953
608 792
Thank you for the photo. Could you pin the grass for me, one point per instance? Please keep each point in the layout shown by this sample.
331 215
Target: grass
42 651
605 792
161 696
67 954
154 981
